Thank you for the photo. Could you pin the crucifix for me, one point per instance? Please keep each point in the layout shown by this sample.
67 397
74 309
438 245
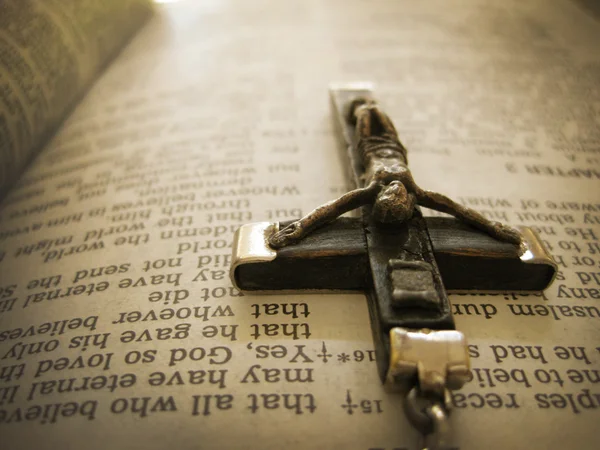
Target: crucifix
403 261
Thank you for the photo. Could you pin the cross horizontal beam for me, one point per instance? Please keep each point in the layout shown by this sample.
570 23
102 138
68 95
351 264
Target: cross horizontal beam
335 258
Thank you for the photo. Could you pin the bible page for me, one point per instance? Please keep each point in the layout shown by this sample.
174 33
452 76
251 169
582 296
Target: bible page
49 53
119 326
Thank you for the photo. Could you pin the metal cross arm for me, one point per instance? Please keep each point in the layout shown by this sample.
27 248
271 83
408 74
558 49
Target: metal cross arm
403 261
335 258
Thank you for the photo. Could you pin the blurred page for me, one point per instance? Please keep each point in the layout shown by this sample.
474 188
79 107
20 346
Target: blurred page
49 53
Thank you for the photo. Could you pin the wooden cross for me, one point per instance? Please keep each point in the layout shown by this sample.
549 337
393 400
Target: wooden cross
398 257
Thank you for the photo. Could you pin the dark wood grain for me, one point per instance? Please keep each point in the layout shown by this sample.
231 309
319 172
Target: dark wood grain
335 257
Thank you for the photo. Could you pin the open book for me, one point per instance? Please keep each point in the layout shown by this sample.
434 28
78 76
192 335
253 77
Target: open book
119 327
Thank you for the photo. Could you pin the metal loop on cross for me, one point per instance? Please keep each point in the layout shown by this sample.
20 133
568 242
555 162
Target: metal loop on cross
429 415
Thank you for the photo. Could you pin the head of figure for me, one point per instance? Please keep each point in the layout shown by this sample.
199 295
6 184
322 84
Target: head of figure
394 204
354 106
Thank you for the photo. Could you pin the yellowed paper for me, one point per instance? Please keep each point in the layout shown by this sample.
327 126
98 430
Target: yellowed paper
119 327
50 51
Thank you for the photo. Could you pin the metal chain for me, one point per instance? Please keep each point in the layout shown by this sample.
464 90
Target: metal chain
429 414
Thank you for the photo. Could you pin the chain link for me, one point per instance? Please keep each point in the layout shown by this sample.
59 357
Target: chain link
429 414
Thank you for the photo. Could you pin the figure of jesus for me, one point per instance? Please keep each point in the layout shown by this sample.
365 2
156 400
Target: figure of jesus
389 185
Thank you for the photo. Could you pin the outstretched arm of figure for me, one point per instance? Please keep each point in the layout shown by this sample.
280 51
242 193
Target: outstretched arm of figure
324 214
443 204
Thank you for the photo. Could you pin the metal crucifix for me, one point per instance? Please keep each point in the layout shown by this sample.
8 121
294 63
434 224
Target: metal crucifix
398 257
